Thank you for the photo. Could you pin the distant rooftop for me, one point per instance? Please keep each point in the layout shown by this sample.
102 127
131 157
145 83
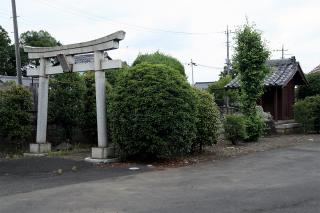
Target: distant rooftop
26 81
202 85
282 71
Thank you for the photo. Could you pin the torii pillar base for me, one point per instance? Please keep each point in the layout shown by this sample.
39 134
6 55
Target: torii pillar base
102 155
38 150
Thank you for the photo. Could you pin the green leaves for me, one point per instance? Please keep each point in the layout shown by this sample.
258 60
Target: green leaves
313 88
235 128
153 112
15 117
250 62
219 92
160 58
207 119
66 105
38 39
307 112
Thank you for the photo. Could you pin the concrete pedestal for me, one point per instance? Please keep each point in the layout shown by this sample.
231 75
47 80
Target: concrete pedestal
37 148
102 155
102 152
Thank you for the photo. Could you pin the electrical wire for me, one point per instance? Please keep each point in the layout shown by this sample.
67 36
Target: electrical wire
101 18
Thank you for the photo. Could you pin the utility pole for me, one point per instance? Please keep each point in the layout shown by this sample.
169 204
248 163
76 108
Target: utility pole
228 63
192 64
228 47
282 51
16 40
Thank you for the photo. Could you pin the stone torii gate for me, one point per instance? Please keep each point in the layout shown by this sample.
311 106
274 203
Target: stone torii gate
65 55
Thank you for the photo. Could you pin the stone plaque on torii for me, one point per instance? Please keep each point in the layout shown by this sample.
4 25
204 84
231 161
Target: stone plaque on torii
65 56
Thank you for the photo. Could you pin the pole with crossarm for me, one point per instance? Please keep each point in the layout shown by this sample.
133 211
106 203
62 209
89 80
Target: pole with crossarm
65 55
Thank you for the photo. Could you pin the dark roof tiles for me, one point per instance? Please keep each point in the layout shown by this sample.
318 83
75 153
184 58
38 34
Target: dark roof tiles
282 70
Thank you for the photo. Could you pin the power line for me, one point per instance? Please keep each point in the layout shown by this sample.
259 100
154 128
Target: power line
211 67
82 14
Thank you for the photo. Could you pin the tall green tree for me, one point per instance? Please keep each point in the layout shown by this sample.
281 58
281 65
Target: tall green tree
249 60
35 39
6 65
38 39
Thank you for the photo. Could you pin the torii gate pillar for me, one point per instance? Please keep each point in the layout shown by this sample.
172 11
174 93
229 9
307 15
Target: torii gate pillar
101 151
65 55
41 145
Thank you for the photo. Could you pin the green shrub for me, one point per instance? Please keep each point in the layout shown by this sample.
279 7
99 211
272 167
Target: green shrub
255 127
307 112
89 117
66 107
112 75
235 128
153 113
208 122
312 89
160 58
15 117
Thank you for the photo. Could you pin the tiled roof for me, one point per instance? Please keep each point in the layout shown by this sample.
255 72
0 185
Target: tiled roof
317 69
282 70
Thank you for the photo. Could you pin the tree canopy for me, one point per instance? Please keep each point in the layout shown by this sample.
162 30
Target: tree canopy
7 67
38 39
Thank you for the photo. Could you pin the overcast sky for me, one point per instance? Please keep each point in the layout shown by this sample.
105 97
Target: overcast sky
185 29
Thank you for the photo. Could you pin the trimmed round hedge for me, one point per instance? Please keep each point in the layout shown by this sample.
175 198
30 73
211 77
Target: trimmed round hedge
160 58
153 113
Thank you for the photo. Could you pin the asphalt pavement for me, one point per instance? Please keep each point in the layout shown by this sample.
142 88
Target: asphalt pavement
278 181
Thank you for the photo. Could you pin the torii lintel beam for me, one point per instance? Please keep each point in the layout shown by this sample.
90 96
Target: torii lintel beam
109 42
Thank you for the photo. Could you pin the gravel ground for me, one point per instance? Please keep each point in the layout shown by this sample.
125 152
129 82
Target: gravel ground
222 150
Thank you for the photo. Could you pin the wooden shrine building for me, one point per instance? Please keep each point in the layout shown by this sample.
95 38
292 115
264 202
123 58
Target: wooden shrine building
279 87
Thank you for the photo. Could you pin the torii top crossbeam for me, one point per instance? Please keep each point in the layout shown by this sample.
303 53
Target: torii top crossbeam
105 43
65 55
